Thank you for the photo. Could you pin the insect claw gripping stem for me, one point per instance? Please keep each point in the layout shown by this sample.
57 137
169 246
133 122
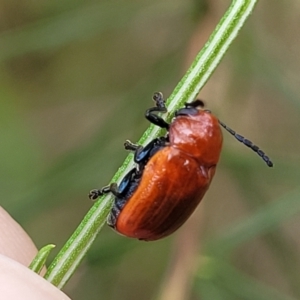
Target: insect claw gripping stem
159 100
94 194
128 145
249 144
160 107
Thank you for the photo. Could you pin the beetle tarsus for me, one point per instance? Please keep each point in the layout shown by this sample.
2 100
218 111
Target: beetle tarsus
159 100
96 193
130 146
160 107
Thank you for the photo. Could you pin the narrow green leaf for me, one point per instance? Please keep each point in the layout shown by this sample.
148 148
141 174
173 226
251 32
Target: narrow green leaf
40 259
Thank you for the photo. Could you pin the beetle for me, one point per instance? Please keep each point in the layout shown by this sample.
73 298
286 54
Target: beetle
172 172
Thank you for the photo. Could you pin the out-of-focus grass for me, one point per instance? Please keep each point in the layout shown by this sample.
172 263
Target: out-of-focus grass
76 78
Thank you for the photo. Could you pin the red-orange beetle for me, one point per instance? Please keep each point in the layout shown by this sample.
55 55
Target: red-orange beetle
172 173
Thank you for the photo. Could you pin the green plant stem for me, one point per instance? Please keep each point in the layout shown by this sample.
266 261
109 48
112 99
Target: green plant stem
205 63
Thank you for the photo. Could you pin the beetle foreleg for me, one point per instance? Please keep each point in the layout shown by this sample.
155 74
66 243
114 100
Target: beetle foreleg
160 107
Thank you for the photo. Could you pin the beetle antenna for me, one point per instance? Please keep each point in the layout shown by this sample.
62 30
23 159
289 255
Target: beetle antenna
249 144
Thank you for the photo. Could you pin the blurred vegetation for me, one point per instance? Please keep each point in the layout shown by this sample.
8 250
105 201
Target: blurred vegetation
76 78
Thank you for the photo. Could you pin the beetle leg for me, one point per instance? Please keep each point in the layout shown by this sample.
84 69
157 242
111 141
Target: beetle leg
139 154
143 154
122 194
121 189
160 107
131 146
96 193
117 191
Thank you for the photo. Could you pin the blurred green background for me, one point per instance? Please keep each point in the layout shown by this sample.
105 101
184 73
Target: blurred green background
76 78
